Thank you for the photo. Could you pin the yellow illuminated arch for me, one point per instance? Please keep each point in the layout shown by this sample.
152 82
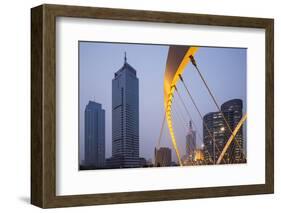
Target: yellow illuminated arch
177 60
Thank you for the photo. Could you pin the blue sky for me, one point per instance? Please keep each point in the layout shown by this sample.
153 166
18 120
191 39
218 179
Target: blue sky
223 68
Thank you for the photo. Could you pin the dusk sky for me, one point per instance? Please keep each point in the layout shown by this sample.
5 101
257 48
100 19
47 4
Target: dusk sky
223 68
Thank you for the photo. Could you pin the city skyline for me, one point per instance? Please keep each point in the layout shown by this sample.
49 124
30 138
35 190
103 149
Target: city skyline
218 127
148 142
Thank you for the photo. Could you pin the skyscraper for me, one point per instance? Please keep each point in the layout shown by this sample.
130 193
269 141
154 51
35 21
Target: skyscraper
94 135
163 156
232 111
190 142
216 132
213 136
125 117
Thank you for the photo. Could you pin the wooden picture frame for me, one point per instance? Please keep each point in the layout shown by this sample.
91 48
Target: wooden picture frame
43 105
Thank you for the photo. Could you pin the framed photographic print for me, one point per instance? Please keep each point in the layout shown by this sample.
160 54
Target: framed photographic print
136 106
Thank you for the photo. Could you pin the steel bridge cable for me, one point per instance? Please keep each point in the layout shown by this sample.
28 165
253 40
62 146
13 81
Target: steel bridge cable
181 113
188 113
185 122
176 115
197 109
179 117
160 137
195 127
213 98
209 132
161 131
170 124
237 128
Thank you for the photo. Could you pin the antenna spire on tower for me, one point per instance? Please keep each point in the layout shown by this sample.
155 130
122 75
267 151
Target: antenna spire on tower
125 58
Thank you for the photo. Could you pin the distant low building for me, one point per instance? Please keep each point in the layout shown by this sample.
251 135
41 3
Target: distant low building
142 162
175 163
149 163
163 156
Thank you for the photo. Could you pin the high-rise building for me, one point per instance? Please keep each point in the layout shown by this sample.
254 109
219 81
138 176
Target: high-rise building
94 135
190 142
232 111
125 118
163 156
213 136
216 132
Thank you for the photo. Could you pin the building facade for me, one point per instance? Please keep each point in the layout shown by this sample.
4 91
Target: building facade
125 118
163 156
94 135
217 129
190 142
213 136
232 111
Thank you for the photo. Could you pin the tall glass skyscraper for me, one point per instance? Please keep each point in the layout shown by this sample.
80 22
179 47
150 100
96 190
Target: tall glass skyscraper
232 111
94 135
213 136
216 132
125 118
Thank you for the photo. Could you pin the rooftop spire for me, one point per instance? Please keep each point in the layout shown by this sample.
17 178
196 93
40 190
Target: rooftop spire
125 58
